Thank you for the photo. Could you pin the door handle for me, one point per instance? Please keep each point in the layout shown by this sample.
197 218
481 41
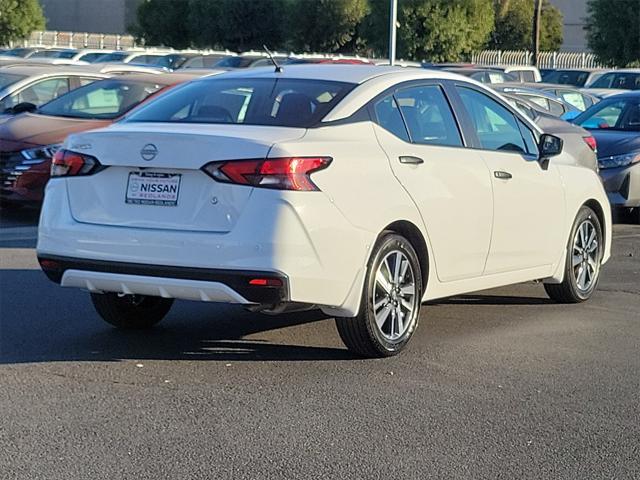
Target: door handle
502 175
411 160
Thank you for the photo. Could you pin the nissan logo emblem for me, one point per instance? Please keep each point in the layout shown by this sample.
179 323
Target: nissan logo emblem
149 152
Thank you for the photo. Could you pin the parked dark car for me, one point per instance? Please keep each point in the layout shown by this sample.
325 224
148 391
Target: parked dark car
578 77
615 123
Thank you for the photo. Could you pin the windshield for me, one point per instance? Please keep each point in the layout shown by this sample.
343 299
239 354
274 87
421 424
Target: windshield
236 62
7 79
65 54
250 101
112 57
612 114
624 81
17 52
102 100
567 77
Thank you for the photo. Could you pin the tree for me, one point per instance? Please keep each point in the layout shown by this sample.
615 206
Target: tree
18 18
613 31
163 22
434 30
326 25
514 26
238 24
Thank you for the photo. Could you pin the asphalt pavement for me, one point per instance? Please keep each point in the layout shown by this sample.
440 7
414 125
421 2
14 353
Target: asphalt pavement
498 384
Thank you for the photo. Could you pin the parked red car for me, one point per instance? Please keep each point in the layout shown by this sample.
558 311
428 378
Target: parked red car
28 141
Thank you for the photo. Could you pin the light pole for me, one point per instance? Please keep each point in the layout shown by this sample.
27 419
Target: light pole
393 17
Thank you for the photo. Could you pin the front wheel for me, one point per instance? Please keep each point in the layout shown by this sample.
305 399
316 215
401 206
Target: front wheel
390 303
132 312
582 265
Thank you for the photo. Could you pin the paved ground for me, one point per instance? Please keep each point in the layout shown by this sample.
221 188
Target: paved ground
500 384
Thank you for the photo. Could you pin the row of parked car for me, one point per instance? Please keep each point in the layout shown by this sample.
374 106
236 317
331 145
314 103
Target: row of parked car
42 101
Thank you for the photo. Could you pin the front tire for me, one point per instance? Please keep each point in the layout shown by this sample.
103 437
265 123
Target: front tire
583 260
390 304
131 312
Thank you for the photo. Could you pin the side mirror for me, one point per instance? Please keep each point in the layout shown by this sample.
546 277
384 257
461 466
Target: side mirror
23 107
549 146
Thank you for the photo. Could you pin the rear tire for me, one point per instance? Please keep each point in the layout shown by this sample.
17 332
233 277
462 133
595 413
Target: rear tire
582 263
131 312
390 304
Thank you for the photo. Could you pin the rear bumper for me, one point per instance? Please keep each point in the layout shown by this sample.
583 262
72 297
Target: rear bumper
299 237
203 284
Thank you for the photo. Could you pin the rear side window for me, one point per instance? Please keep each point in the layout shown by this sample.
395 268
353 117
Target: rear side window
39 93
251 101
107 99
495 126
630 81
527 76
428 116
388 117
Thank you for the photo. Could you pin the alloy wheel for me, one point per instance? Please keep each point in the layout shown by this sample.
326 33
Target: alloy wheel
394 296
585 260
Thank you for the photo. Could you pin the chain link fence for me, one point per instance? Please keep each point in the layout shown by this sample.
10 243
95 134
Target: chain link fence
545 59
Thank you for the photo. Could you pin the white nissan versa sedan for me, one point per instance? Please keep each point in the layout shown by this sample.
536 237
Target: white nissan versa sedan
362 191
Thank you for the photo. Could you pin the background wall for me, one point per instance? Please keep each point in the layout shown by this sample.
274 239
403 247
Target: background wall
574 13
95 16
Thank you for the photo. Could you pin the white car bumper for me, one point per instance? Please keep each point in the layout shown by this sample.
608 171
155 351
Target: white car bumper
319 256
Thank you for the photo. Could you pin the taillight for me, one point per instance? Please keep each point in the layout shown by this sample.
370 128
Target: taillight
67 164
291 173
591 141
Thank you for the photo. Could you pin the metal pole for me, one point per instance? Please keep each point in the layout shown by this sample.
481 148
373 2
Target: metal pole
393 18
537 12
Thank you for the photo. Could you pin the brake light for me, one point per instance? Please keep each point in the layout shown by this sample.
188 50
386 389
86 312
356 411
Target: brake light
67 164
291 173
591 141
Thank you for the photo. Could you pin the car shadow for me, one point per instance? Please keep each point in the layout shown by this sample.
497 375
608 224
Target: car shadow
41 322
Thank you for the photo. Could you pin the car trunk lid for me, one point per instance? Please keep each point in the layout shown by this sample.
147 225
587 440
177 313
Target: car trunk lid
154 179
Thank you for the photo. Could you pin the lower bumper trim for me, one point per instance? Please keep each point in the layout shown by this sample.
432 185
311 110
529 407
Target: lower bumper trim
55 267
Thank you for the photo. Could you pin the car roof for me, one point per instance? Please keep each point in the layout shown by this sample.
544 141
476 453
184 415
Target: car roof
539 85
356 74
33 70
628 94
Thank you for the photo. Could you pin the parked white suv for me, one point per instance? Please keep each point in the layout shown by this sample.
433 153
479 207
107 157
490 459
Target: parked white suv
363 196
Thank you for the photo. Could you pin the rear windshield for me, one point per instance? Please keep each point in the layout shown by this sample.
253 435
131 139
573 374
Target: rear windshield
113 57
236 62
624 81
7 79
106 99
250 101
567 77
612 114
64 54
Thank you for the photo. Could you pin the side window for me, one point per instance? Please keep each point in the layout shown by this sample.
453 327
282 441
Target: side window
86 81
428 116
556 108
388 117
528 76
41 92
496 127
